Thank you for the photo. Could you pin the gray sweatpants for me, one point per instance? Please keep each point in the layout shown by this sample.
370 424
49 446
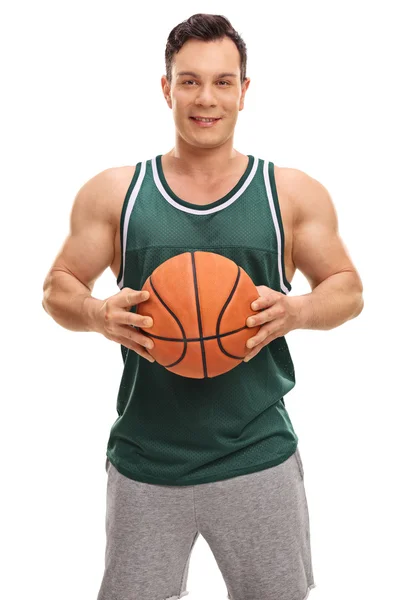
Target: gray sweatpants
257 526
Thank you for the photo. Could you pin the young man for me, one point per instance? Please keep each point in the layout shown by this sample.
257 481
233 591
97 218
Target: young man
216 456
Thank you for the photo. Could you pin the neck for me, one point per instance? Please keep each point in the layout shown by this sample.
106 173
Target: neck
206 163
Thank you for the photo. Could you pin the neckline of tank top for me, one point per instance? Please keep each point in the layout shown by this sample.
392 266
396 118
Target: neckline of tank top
202 207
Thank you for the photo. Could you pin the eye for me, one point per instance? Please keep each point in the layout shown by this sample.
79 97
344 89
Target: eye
192 81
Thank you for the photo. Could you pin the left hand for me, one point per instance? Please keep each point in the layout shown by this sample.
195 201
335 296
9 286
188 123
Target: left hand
279 317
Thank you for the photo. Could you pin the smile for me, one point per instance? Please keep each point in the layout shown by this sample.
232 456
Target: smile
204 123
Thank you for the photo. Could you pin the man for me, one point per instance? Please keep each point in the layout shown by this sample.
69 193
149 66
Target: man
216 456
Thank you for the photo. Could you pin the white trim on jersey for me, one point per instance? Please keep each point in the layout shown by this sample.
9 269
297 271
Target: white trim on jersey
165 194
131 203
276 224
205 211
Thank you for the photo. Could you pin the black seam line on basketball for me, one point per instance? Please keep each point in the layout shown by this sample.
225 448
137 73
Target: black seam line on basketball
196 292
179 323
205 338
222 312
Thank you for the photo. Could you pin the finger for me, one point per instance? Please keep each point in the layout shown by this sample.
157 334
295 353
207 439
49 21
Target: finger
251 354
142 352
257 349
133 319
136 348
256 304
264 317
264 335
132 297
263 302
264 289
130 334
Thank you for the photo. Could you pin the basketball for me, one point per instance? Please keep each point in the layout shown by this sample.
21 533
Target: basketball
199 303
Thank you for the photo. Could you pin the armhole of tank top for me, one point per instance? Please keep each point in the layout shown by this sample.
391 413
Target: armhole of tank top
278 223
122 222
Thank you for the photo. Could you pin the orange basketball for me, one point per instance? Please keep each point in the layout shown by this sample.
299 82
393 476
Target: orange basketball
199 303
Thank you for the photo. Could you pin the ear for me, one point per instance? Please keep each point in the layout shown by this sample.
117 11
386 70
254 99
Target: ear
166 90
245 85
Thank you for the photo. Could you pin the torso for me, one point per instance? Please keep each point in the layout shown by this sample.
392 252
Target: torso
201 195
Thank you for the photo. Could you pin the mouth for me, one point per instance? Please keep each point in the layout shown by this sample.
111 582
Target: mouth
205 123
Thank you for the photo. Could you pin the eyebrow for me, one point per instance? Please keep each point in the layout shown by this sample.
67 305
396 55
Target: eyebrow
192 74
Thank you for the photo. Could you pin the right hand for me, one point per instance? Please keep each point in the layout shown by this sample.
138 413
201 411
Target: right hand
115 321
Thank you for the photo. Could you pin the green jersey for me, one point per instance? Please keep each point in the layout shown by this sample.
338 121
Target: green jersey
176 430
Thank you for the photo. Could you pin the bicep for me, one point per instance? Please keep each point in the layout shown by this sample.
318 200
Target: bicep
89 247
318 250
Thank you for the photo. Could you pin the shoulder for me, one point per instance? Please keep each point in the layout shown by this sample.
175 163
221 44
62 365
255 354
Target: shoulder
109 179
307 195
294 181
104 192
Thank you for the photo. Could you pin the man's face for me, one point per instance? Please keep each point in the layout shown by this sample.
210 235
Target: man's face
212 90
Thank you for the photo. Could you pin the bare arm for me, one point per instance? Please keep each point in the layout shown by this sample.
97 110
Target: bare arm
320 254
86 253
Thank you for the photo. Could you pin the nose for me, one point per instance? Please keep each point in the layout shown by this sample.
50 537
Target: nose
206 96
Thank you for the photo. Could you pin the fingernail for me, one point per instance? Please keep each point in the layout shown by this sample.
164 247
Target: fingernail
251 322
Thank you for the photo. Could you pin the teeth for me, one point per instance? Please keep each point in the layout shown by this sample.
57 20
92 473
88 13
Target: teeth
205 120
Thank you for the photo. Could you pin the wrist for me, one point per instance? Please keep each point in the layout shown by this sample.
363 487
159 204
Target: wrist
90 309
300 309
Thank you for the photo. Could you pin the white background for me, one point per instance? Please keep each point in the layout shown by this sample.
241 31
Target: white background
82 93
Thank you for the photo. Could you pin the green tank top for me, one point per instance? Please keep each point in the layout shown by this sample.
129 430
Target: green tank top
176 430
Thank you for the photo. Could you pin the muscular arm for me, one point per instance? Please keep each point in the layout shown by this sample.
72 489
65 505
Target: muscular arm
87 251
320 254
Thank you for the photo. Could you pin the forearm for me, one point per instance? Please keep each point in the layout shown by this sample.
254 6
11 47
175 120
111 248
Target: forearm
69 302
333 302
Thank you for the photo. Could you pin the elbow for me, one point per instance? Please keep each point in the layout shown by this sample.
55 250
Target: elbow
46 296
359 304
358 295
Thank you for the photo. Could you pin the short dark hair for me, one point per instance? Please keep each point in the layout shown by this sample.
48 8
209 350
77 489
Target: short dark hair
202 26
